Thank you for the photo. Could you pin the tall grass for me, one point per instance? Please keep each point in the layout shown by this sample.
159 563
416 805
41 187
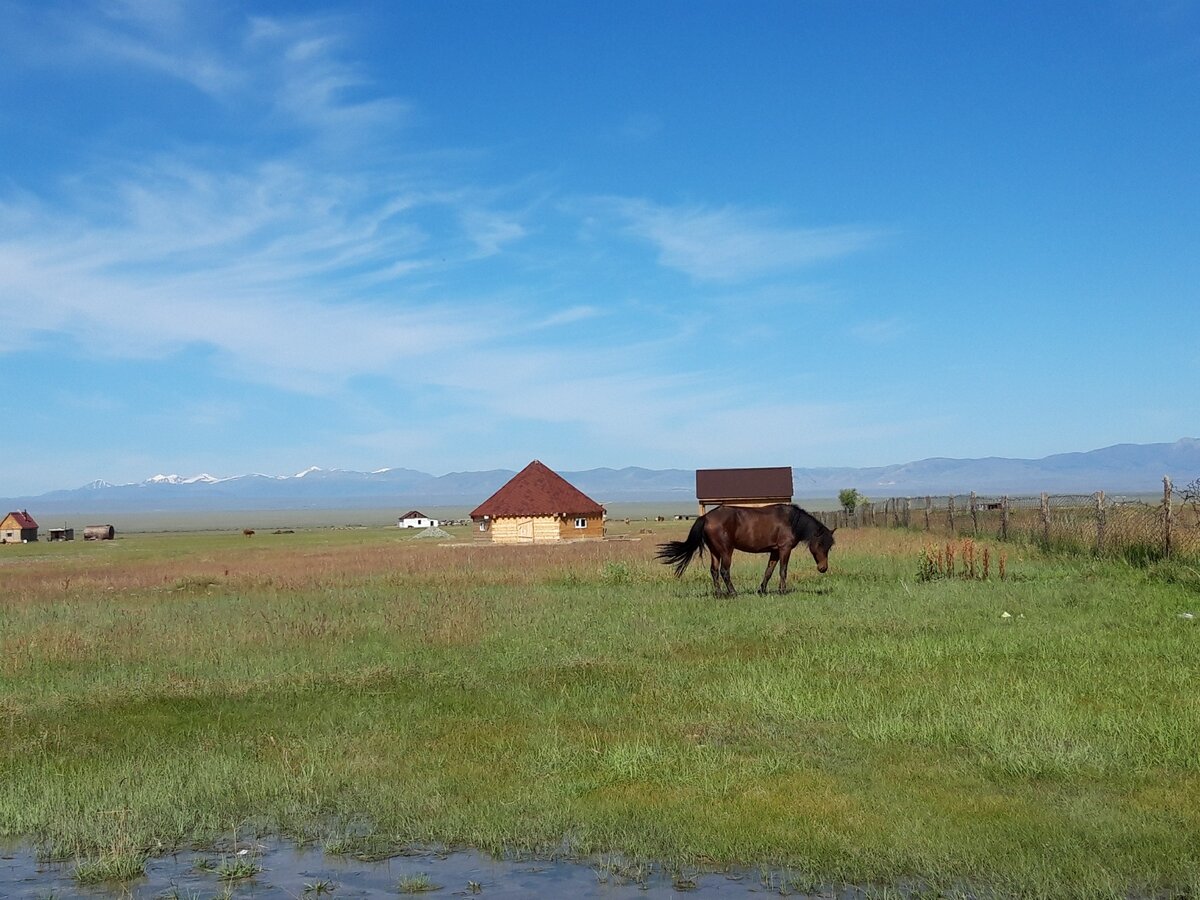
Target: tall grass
368 690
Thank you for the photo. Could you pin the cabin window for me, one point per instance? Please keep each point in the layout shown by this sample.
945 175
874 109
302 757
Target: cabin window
483 526
581 523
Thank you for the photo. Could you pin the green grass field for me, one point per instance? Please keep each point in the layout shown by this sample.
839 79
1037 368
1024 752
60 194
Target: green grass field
365 688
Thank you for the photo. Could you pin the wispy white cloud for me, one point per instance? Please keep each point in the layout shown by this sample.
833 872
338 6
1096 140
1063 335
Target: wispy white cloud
295 67
569 316
314 85
292 269
880 331
727 244
490 231
306 270
160 37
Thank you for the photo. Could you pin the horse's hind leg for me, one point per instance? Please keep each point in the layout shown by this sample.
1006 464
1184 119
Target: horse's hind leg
762 588
726 562
714 565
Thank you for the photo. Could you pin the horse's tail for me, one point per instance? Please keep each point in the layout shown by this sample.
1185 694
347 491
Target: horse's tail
680 553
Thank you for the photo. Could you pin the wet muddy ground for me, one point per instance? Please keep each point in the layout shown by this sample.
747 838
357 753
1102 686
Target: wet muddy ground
287 871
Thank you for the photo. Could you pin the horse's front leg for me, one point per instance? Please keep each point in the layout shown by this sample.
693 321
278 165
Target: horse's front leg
784 556
774 558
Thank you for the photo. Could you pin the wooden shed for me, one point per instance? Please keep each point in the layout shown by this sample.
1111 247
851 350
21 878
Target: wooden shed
743 487
538 506
62 534
18 528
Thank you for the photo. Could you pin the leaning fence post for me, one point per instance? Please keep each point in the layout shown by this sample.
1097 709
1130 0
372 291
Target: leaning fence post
896 511
951 514
1167 515
1099 522
974 513
1045 519
928 510
1004 518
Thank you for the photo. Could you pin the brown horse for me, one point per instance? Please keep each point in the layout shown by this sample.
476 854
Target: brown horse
772 529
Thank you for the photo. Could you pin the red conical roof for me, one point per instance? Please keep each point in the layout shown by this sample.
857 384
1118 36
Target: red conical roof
537 490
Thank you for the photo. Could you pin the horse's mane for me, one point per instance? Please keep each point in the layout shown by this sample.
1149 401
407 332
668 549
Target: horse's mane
805 525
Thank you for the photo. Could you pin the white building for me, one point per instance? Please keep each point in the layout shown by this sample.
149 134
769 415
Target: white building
416 519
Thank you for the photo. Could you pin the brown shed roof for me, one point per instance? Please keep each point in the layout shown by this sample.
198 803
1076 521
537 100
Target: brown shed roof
537 490
744 484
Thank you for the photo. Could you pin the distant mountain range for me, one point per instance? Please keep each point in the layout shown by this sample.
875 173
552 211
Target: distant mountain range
1124 468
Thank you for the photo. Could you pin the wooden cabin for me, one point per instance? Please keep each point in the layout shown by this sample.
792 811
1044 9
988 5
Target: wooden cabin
18 528
538 506
743 487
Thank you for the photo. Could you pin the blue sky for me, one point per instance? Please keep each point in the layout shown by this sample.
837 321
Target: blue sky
461 235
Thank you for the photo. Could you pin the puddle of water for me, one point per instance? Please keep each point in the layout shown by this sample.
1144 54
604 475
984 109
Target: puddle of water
298 873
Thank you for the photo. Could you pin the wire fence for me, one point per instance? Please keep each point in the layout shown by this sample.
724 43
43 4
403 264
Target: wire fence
1134 528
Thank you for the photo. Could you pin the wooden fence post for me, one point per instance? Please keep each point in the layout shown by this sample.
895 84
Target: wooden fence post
1167 515
951 514
974 514
908 512
1100 523
896 511
1004 518
1045 519
928 510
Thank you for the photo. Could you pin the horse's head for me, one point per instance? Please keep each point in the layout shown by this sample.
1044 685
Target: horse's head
820 546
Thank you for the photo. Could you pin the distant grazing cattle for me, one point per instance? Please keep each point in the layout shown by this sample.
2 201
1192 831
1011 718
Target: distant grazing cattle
248 532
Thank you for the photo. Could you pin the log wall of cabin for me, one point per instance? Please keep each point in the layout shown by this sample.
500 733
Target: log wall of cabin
540 529
594 529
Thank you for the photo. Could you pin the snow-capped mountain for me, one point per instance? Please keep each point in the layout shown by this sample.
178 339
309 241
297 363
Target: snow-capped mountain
1124 468
203 478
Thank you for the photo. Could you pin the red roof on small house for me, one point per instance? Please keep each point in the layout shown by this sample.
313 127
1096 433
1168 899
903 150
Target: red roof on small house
23 519
537 490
